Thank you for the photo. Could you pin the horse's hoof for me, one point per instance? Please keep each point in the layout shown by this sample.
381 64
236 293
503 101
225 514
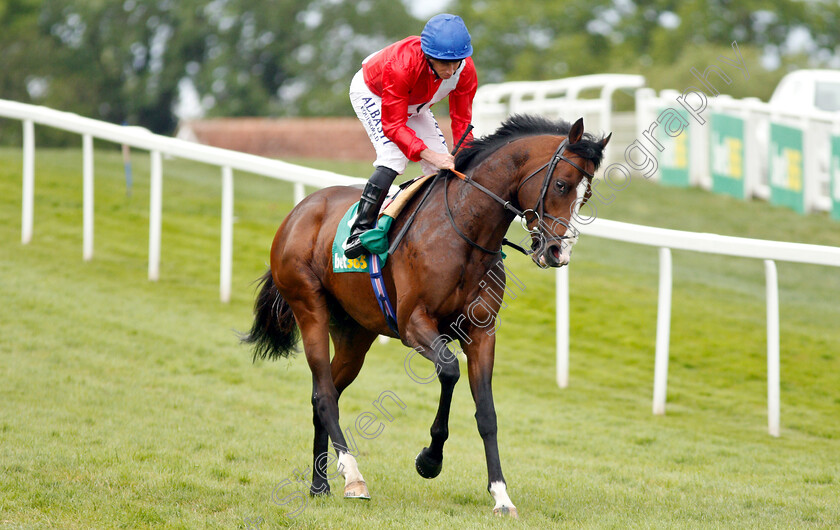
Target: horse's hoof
426 466
322 491
356 490
506 511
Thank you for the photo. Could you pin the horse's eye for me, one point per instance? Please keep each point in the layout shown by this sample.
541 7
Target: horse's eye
562 187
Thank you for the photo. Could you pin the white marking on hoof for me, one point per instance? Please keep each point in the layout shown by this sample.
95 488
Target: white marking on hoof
504 506
354 483
356 490
504 511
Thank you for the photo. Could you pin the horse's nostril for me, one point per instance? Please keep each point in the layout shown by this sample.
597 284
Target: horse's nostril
555 251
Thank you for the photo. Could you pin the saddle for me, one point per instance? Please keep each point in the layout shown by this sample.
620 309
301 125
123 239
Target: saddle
375 240
394 205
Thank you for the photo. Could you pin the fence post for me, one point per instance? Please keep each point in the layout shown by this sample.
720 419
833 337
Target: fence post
605 112
300 192
643 112
698 158
813 142
663 332
155 204
227 234
773 375
28 181
87 193
562 326
752 164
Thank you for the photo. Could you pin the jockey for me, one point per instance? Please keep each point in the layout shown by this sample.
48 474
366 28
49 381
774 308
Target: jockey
392 95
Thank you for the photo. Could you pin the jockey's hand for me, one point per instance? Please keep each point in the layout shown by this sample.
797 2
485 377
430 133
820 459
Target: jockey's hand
439 160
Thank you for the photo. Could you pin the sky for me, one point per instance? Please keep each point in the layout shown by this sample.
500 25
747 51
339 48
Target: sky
427 8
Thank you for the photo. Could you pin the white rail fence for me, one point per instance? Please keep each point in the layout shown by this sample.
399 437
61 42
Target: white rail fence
229 160
665 240
743 147
158 146
591 97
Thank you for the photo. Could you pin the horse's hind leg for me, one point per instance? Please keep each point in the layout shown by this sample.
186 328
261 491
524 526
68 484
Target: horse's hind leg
320 448
310 309
422 333
350 342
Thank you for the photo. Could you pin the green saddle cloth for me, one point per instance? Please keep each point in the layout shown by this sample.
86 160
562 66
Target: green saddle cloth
375 241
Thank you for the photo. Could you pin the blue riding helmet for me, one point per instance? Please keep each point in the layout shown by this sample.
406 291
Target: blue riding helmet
446 38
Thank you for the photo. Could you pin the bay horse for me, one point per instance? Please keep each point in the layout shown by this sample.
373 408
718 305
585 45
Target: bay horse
533 167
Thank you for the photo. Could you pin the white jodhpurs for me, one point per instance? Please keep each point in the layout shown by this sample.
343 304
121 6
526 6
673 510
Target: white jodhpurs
368 107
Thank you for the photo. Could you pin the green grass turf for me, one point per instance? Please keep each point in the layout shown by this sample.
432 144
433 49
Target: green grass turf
126 403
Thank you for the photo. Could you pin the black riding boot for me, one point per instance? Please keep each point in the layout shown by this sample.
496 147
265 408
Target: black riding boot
372 198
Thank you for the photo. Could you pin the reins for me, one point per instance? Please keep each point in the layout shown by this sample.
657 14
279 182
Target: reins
410 219
538 209
505 204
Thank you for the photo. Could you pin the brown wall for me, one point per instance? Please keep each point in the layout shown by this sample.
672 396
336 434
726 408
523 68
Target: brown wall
331 138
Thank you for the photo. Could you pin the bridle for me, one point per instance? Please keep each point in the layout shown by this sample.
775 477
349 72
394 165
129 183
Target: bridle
538 210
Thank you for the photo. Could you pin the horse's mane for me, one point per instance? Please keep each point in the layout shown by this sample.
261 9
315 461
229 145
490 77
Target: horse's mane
522 125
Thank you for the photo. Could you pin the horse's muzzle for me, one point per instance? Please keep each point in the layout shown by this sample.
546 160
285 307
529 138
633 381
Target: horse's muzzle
556 253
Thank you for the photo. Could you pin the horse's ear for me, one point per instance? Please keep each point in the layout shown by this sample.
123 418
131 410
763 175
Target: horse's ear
605 141
576 132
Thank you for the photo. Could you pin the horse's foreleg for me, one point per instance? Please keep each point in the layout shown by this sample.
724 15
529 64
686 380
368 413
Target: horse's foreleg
480 356
429 461
423 334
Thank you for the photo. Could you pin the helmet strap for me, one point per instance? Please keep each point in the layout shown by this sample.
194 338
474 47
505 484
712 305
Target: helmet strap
429 62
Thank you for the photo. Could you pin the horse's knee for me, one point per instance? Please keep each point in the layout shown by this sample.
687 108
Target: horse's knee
449 373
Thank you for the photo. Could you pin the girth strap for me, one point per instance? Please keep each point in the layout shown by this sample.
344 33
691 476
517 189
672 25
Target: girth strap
382 293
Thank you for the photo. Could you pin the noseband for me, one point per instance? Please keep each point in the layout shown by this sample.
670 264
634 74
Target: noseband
539 208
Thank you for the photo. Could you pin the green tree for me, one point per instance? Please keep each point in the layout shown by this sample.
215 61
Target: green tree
120 62
127 61
293 58
23 55
661 39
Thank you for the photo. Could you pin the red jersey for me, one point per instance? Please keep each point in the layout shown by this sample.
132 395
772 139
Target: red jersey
402 77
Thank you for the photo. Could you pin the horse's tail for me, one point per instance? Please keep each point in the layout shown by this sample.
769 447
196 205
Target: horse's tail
275 332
